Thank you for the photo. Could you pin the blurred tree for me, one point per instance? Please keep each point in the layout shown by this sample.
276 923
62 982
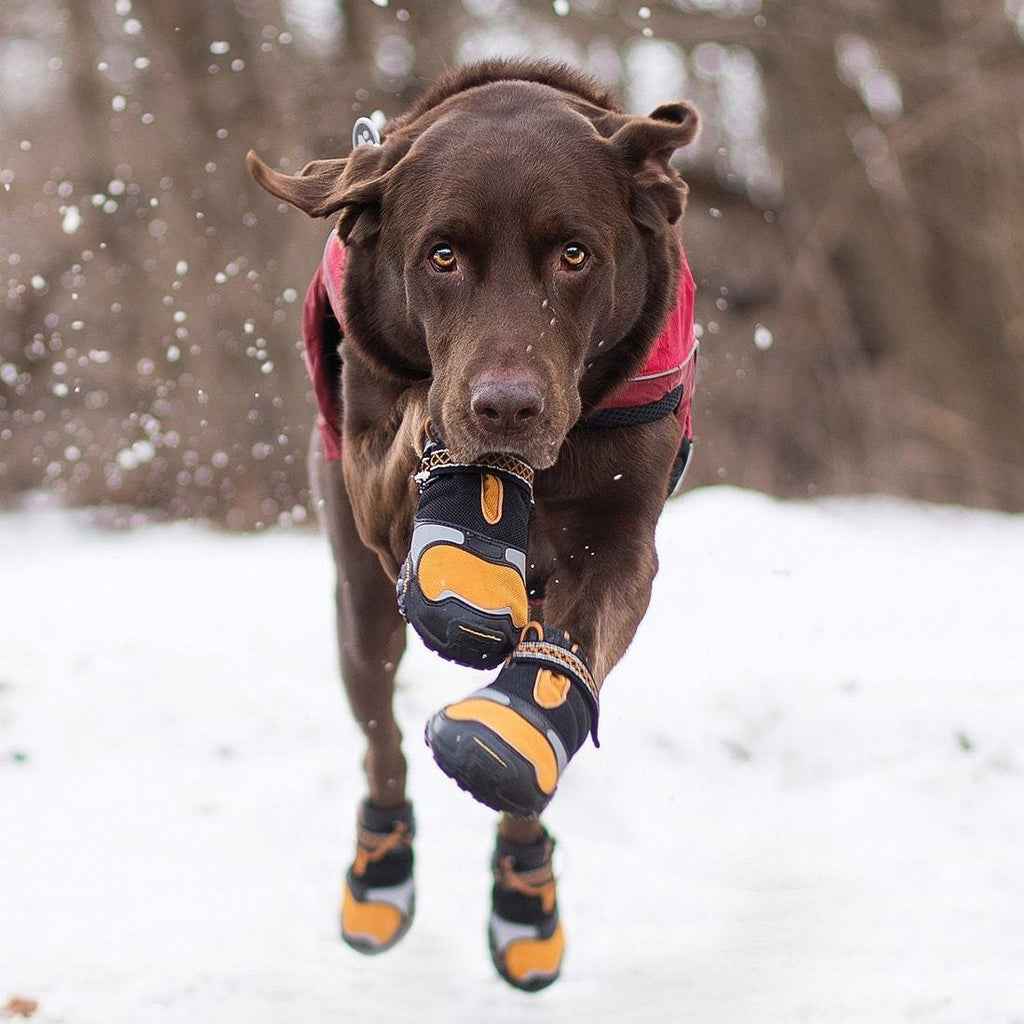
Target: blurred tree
856 226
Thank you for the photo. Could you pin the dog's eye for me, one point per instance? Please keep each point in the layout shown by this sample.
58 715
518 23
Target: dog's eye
574 256
443 257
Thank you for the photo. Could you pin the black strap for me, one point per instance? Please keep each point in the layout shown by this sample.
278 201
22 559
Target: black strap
633 415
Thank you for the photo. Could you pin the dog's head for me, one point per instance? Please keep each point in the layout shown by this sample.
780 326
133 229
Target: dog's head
513 241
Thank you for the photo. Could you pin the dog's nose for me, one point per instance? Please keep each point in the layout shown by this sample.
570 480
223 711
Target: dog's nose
506 405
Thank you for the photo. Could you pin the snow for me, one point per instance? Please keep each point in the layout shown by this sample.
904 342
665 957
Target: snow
806 806
71 221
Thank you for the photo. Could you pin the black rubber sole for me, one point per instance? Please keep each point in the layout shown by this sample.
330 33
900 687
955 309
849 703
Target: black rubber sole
456 631
485 766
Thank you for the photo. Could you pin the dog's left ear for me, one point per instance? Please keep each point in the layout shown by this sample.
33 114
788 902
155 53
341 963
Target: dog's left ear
353 185
645 145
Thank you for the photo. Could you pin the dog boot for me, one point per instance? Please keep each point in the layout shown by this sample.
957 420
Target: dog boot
508 744
524 931
380 898
463 585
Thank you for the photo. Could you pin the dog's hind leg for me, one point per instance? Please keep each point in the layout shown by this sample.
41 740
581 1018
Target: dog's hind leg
524 930
379 900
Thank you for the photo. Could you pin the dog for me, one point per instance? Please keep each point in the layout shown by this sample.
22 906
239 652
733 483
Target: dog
500 340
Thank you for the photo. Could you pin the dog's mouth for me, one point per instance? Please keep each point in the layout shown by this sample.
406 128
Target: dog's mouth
535 436
539 447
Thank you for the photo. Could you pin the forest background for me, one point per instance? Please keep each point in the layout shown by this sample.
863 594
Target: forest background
856 228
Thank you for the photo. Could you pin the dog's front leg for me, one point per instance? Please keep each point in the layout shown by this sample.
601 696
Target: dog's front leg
600 541
600 588
592 537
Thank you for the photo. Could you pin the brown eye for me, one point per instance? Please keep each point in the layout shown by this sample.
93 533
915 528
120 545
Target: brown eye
443 257
573 257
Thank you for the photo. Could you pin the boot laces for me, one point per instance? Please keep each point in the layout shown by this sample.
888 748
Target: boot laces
375 846
536 883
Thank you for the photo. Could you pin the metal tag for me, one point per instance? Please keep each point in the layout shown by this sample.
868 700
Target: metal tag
364 133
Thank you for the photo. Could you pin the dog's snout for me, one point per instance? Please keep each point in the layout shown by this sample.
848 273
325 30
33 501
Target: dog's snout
506 405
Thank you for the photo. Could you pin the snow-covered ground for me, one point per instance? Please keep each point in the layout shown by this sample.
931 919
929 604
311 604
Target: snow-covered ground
808 805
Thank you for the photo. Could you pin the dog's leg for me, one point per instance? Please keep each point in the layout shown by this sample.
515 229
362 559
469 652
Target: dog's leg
519 830
508 743
371 633
602 585
593 529
379 895
601 547
524 930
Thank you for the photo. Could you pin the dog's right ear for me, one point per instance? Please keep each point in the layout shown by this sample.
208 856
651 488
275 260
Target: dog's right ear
315 190
353 186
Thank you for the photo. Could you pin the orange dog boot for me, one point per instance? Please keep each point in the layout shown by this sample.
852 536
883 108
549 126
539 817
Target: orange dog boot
508 744
463 585
380 897
525 933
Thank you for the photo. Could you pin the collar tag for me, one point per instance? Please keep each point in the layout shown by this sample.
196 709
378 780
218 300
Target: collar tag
364 133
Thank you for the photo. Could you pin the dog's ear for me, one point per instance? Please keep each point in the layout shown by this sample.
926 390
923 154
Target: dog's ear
314 190
353 185
645 145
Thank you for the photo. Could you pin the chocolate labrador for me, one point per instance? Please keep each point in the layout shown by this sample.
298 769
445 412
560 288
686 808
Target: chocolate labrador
500 339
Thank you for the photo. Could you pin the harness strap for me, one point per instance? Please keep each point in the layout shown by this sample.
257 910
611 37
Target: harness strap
631 416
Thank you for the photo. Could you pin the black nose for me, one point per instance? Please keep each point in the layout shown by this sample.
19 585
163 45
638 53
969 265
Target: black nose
506 405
